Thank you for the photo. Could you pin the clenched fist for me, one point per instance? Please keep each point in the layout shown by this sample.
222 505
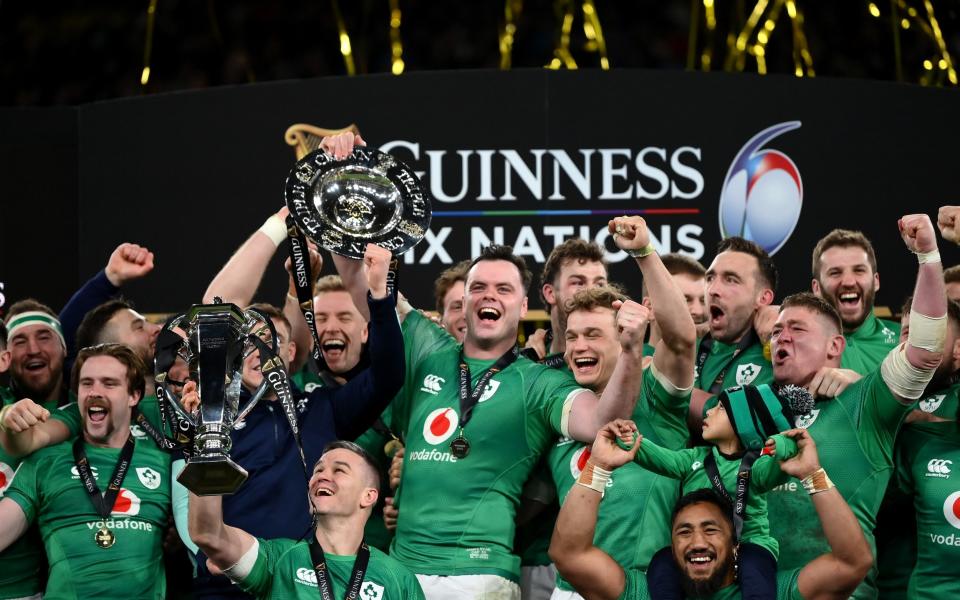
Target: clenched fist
128 262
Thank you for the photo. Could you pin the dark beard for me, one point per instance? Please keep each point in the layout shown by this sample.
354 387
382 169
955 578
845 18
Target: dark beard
710 586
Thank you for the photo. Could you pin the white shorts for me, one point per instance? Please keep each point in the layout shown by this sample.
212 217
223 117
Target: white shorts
537 583
559 594
468 587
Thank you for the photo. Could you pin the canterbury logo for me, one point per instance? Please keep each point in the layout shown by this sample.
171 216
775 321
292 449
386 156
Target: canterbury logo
939 467
432 384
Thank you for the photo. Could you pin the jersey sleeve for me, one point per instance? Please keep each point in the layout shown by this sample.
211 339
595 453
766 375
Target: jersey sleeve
550 395
669 463
25 488
421 338
880 417
668 408
69 415
260 579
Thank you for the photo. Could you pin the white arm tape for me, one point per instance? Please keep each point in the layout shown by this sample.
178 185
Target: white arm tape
567 409
241 570
275 229
669 386
927 333
904 379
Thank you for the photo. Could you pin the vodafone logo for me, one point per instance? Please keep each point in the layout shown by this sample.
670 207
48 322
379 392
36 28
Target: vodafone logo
951 509
578 461
127 503
6 476
440 425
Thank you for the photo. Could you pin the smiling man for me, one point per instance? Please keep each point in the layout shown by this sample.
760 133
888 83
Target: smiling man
37 352
702 536
97 544
856 429
334 563
448 292
845 275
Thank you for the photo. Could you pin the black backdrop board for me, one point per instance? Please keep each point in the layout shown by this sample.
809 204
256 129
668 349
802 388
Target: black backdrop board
547 155
38 204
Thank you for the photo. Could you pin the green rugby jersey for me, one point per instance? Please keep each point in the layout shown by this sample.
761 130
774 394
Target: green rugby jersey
22 561
634 517
374 442
457 515
49 490
869 344
688 466
750 367
943 403
787 587
855 434
928 468
284 571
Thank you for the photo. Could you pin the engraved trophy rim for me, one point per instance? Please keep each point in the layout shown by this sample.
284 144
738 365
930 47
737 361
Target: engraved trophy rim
368 197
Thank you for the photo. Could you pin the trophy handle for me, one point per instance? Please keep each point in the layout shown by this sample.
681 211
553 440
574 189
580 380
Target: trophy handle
255 320
170 346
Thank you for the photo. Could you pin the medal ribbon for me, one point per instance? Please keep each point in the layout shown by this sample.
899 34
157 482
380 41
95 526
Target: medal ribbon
739 502
320 568
302 279
706 344
468 398
103 503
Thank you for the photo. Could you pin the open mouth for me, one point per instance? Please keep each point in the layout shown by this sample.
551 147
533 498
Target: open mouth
849 299
97 414
781 355
35 365
333 348
716 314
700 559
488 313
324 491
585 364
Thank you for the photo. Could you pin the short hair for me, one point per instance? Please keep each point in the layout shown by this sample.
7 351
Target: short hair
704 496
29 305
273 312
574 249
843 238
599 297
952 275
502 252
136 370
765 265
329 283
679 264
3 336
815 304
447 279
359 451
90 331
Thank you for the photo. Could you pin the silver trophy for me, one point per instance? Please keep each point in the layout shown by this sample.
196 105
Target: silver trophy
219 337
368 197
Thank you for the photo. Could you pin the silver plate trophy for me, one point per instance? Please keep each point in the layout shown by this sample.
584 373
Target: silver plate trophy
368 197
219 337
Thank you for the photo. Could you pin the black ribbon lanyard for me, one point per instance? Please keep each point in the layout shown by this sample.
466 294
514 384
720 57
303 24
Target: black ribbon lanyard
159 439
323 580
551 361
706 344
103 503
460 447
739 502
272 369
302 279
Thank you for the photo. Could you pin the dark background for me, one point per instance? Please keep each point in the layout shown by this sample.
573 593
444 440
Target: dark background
191 175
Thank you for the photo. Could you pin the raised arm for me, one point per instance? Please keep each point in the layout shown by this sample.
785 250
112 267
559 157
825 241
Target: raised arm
674 354
590 570
223 545
908 369
25 427
12 522
239 279
358 404
589 413
299 330
835 575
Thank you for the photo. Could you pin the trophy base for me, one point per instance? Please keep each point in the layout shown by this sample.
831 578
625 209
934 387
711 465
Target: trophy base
212 476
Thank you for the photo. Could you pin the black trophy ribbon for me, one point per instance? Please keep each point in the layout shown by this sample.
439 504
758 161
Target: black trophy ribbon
273 371
460 447
103 502
303 281
739 502
551 361
323 578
